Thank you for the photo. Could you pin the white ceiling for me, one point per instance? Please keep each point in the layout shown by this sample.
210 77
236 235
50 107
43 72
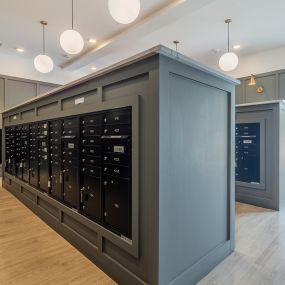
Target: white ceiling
20 23
197 24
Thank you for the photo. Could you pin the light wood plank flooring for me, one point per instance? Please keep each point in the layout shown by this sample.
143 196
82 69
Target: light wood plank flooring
32 253
259 258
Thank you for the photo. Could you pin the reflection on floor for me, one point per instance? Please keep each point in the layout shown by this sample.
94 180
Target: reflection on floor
259 258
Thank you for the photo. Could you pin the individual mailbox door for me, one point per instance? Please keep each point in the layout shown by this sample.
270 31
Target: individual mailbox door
34 178
117 130
71 187
117 204
118 117
91 197
56 180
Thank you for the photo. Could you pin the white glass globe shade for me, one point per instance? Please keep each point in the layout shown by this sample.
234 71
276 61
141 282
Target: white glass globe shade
124 11
43 63
71 42
228 61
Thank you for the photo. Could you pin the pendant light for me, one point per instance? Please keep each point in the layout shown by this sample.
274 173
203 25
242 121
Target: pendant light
42 62
124 11
70 40
229 60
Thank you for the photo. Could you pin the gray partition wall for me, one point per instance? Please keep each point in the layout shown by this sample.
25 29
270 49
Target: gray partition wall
182 210
260 148
14 90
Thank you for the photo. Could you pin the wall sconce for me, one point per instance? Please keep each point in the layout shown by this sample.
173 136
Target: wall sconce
260 89
252 82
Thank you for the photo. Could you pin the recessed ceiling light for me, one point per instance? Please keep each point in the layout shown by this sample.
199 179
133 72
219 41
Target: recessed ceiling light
216 50
20 50
93 68
65 55
236 46
92 41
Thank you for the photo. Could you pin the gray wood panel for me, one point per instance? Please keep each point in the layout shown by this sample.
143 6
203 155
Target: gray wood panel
282 158
18 92
196 143
190 100
282 85
270 92
273 83
2 102
44 88
239 94
2 94
14 90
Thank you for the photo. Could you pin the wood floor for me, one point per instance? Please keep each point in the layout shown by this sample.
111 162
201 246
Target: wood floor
259 258
32 253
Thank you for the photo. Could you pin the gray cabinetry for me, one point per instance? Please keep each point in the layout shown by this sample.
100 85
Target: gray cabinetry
181 173
18 92
239 94
259 160
273 84
14 91
282 85
269 93
44 88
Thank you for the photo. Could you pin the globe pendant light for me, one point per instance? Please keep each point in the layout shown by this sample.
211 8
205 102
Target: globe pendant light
42 62
70 40
229 60
124 11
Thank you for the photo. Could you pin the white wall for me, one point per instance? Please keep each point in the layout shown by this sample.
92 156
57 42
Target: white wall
261 62
24 68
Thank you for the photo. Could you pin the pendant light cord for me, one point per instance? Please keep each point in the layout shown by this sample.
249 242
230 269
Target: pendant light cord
72 12
44 41
228 36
